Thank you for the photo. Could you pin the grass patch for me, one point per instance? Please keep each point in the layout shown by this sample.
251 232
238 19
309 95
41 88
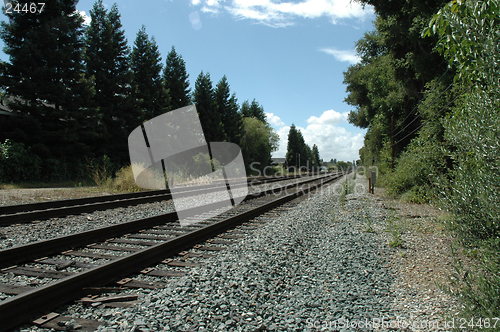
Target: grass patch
369 223
123 181
346 189
31 185
348 186
394 228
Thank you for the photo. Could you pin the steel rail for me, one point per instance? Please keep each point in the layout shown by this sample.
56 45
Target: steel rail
19 309
23 213
25 253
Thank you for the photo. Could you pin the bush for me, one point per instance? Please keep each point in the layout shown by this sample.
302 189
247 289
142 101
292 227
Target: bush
124 180
416 172
471 192
100 170
18 163
468 37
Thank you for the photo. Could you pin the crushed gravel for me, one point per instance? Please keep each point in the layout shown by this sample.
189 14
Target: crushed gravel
322 264
19 234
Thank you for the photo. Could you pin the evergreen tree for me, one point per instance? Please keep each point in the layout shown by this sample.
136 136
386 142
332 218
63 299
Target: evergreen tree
303 150
203 97
298 152
176 81
227 107
316 161
147 88
107 60
253 110
292 147
308 161
44 73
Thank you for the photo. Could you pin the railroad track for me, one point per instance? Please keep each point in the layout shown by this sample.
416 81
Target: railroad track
97 258
23 213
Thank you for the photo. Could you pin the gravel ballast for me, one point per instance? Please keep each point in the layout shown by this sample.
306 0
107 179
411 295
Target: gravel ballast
19 234
322 264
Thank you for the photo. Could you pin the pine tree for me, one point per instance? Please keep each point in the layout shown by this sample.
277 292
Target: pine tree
316 161
234 131
107 63
203 97
298 152
176 81
254 110
147 88
227 107
45 73
309 156
302 149
292 147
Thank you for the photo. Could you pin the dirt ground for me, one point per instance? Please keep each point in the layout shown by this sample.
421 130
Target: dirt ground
22 196
424 261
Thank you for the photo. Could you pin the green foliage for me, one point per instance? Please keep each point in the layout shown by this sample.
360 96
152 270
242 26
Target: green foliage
107 63
150 97
100 170
468 37
257 142
315 159
467 31
17 162
347 188
76 93
416 171
478 283
203 97
472 191
393 227
253 110
369 222
43 80
52 73
176 80
227 106
298 154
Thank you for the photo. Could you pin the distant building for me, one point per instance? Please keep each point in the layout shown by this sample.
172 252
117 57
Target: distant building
278 161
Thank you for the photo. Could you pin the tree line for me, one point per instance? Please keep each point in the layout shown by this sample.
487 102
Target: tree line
427 91
300 155
77 91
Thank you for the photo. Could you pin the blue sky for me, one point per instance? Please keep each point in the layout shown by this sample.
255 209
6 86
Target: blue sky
289 55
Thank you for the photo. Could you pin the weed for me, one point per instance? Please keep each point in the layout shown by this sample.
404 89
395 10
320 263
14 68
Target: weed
100 170
393 227
369 223
123 181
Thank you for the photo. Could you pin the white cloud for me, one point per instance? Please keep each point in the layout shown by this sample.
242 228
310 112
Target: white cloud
274 120
86 18
342 55
282 13
333 140
195 20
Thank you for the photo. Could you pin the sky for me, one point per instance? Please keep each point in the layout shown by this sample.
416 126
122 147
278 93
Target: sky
288 55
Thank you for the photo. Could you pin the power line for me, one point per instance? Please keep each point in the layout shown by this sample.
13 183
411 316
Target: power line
421 125
416 106
417 116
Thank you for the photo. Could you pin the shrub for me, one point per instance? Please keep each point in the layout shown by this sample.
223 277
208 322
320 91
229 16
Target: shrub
100 171
471 192
18 163
416 171
123 181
